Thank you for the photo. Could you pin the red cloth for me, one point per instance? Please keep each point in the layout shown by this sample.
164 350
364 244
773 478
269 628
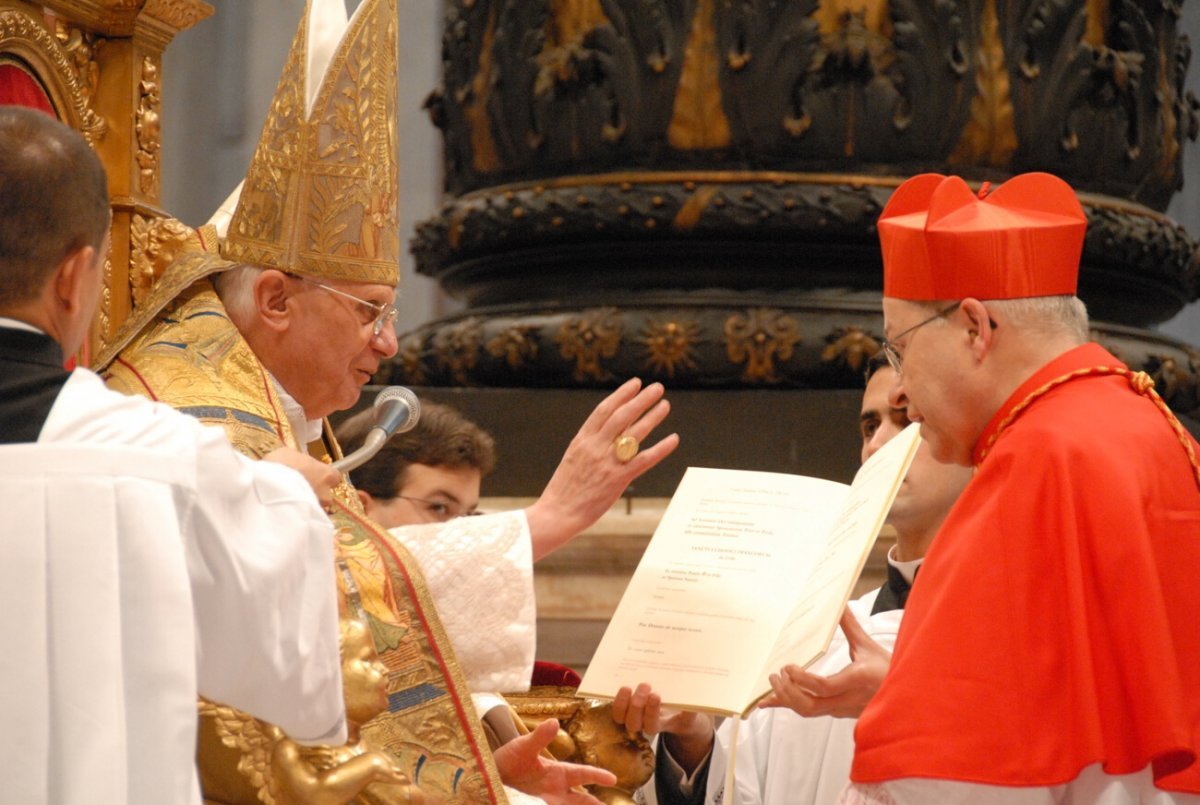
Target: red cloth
1055 620
941 241
551 673
18 87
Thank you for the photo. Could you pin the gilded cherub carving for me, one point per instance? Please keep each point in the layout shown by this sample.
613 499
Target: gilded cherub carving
285 772
588 734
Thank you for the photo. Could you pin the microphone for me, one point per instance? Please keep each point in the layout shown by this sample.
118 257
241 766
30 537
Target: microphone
396 410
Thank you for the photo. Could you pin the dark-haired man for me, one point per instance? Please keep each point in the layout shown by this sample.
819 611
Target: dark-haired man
431 473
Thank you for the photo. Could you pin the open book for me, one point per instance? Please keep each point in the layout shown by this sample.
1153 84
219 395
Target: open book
747 572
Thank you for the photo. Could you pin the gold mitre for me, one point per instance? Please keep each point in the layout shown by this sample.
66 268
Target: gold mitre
320 197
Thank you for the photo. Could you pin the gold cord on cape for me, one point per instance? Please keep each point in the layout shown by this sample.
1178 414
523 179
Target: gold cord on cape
1140 382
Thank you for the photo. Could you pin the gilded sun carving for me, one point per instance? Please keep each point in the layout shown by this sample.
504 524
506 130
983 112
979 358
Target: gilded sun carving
670 345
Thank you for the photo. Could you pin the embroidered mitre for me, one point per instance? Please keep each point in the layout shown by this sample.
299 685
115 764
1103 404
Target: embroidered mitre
321 195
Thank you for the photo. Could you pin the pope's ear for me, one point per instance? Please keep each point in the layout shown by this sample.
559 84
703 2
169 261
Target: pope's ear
272 290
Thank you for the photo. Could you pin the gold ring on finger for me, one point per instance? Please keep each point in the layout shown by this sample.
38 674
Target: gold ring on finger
625 448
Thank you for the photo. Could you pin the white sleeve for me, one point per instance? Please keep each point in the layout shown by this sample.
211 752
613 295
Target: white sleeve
261 565
479 571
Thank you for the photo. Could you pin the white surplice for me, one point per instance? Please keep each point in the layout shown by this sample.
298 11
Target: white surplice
783 758
1091 787
479 571
143 561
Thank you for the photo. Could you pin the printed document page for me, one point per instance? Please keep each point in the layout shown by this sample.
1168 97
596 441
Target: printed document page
713 589
747 571
810 627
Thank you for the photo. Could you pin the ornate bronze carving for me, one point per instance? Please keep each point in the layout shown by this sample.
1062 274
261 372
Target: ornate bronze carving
179 14
1111 95
698 120
408 360
588 734
758 339
589 338
154 244
457 348
80 48
850 346
515 344
282 771
693 161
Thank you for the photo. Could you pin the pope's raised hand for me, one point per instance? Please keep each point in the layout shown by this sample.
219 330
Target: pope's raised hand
596 469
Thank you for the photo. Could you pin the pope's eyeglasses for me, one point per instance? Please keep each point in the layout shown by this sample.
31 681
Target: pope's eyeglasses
384 314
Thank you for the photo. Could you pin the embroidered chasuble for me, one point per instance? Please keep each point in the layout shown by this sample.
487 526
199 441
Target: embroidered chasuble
191 357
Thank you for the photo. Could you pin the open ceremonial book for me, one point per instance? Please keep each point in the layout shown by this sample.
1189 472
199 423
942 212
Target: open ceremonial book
747 572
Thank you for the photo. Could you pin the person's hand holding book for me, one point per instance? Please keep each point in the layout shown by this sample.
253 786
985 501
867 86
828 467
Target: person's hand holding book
844 694
688 735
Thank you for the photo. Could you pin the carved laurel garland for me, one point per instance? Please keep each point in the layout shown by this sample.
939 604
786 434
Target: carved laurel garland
19 31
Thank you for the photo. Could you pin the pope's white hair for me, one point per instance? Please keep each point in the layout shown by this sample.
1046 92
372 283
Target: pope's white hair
235 288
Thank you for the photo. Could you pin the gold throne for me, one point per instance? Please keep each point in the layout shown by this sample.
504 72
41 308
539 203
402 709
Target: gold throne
97 65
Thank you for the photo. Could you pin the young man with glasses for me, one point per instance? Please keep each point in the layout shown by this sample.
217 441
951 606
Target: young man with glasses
429 474
1050 652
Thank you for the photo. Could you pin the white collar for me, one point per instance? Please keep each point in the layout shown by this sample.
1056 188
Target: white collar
17 324
907 569
306 430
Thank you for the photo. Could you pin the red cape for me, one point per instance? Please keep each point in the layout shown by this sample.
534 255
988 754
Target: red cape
1054 624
